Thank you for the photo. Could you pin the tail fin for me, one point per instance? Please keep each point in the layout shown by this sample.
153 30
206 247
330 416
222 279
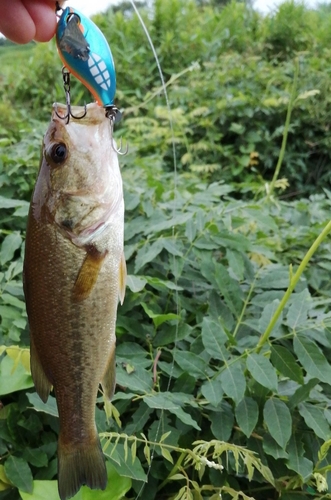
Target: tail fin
80 464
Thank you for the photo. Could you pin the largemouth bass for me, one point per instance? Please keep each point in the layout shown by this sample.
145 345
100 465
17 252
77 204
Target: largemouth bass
74 276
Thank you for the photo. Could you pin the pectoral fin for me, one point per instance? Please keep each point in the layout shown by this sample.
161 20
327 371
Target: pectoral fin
88 274
109 378
41 382
122 279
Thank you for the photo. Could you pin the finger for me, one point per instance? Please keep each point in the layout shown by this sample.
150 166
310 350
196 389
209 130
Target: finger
16 23
43 15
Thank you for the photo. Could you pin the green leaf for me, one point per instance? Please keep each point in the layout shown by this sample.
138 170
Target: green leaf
272 448
302 393
312 359
192 364
21 211
50 407
172 334
147 254
124 468
163 225
190 230
161 401
323 451
278 419
10 244
275 276
135 283
308 93
118 485
160 284
13 378
139 419
285 363
222 422
42 490
298 311
296 460
35 457
212 391
167 455
315 419
19 473
247 414
13 301
262 371
214 338
164 402
266 316
233 382
139 380
229 288
236 263
186 418
158 319
10 203
170 246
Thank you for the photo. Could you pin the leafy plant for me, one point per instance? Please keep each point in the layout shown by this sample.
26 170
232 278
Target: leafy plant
224 346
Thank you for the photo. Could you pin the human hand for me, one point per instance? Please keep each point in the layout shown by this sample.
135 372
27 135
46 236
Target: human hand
24 20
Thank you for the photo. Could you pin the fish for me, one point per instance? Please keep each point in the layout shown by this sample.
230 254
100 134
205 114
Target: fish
74 276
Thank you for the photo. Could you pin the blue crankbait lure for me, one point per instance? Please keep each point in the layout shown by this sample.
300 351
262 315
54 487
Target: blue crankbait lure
85 52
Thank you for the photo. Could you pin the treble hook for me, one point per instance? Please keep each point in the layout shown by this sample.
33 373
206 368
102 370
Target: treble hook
114 116
66 85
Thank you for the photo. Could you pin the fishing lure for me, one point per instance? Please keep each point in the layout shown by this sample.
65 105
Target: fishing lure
85 52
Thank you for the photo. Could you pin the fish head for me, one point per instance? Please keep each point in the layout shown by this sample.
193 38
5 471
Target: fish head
79 187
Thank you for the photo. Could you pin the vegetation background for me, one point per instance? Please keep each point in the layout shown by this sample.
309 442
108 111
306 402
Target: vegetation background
224 340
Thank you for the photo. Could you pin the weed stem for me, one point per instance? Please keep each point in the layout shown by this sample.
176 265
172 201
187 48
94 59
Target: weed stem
293 282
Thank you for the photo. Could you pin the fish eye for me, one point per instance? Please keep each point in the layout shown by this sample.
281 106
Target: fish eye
58 153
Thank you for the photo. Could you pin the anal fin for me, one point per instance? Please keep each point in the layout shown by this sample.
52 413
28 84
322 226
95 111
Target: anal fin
109 377
88 273
41 382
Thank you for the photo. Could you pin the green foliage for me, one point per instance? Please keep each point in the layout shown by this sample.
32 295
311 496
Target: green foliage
224 346
289 31
230 75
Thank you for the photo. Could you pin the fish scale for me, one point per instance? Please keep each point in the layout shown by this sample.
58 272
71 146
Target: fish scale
73 278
